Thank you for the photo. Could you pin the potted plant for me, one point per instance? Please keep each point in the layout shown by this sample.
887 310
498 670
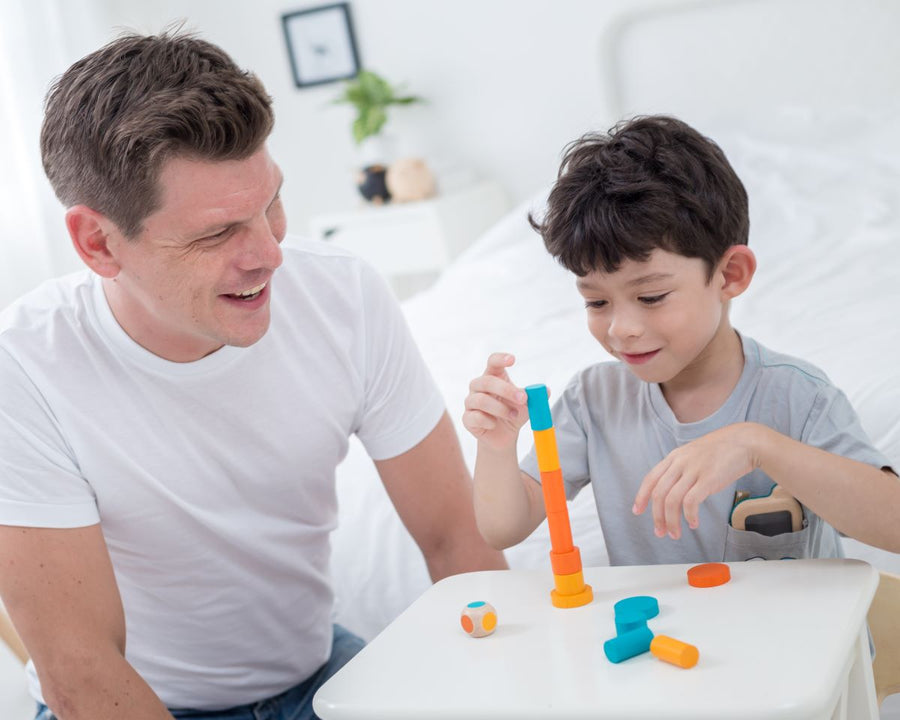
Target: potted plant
372 95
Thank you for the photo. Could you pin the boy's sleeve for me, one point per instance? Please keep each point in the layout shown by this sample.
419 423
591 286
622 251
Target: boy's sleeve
833 425
571 440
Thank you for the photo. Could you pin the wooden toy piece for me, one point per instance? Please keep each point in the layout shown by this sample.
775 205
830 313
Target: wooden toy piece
478 619
708 575
674 651
570 590
771 514
645 605
627 645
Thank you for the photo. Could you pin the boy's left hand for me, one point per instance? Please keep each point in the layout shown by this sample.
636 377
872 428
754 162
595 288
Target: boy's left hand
691 473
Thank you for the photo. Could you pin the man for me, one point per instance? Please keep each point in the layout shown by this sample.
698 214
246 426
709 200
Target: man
171 421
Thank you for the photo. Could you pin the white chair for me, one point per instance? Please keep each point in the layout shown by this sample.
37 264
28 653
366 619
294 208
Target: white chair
884 622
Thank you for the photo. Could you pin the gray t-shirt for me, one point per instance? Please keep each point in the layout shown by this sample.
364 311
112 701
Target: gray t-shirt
612 429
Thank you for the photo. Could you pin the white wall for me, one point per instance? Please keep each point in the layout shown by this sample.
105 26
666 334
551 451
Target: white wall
509 83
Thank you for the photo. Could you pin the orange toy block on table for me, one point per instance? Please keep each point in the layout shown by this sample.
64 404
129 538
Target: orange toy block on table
570 589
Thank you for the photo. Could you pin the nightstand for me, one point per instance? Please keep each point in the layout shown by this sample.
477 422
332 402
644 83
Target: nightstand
411 243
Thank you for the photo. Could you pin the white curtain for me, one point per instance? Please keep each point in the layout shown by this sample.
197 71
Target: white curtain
38 40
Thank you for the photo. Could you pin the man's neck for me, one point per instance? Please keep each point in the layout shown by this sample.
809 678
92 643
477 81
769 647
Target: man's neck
704 386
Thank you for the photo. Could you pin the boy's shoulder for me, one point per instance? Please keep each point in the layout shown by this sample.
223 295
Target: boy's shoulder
778 365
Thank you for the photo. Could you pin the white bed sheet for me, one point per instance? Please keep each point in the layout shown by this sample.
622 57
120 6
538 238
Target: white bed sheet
825 225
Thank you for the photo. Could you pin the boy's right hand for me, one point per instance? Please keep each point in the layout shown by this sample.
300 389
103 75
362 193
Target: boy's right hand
495 408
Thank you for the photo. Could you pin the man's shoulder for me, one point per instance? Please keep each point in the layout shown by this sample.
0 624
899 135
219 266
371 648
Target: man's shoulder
52 305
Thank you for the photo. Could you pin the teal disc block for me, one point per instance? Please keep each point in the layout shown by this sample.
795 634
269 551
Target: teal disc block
645 605
627 645
629 620
539 407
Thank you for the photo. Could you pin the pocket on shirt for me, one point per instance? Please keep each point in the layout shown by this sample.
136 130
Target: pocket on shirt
748 545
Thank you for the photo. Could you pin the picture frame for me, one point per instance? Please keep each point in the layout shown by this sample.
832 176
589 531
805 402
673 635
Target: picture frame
321 44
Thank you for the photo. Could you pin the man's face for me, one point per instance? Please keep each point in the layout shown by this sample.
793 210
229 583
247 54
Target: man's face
198 276
659 316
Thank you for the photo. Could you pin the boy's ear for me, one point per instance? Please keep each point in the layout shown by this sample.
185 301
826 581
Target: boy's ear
90 234
736 269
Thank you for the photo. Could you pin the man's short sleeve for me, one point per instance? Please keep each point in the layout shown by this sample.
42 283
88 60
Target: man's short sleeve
402 404
40 482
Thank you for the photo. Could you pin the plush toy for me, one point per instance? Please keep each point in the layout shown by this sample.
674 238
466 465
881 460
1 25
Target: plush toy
409 179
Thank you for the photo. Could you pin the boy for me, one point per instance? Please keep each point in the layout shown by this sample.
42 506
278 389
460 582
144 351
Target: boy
653 221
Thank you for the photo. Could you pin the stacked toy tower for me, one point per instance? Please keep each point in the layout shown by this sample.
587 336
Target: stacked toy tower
565 558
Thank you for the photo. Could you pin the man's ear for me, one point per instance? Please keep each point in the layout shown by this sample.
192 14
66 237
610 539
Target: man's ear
736 269
90 233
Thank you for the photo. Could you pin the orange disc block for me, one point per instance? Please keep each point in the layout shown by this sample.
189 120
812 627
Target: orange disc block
674 651
554 491
566 563
709 575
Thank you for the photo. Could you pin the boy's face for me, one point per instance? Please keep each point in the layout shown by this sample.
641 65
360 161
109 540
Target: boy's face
659 316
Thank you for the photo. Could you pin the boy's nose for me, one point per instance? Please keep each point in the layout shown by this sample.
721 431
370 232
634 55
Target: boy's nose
624 325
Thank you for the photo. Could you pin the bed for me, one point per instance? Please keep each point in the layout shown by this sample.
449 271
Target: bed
801 97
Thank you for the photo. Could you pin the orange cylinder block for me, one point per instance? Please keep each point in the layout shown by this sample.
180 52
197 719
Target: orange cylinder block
545 449
674 651
560 531
554 491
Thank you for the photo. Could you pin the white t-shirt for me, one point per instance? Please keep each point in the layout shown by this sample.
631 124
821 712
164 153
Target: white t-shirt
213 481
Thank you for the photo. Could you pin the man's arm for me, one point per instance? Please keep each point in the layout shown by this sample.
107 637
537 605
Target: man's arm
60 591
432 492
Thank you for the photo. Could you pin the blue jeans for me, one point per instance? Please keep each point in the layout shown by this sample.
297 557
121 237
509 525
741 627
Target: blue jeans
292 704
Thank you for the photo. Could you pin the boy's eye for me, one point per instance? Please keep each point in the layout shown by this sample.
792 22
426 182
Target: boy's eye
652 299
595 304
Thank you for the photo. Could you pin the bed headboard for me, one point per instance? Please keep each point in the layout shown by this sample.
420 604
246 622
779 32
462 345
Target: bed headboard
712 60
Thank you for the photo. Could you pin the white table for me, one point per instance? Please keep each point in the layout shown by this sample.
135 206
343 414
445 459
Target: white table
782 640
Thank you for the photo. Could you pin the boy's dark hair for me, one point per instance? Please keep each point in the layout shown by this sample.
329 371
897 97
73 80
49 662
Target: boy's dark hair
114 117
650 182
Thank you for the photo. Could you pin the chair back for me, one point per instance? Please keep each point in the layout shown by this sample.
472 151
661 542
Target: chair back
884 622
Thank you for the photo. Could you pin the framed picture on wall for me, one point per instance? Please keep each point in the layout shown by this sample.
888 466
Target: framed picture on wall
321 44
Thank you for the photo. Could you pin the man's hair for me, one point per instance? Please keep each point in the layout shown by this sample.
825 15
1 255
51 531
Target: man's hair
650 182
116 116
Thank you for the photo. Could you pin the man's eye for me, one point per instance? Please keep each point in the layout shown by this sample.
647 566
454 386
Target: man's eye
221 235
652 299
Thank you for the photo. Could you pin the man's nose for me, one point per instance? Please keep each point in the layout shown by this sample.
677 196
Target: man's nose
262 247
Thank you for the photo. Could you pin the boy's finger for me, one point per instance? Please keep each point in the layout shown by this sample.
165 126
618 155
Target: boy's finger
673 507
642 498
490 405
500 388
498 362
477 423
